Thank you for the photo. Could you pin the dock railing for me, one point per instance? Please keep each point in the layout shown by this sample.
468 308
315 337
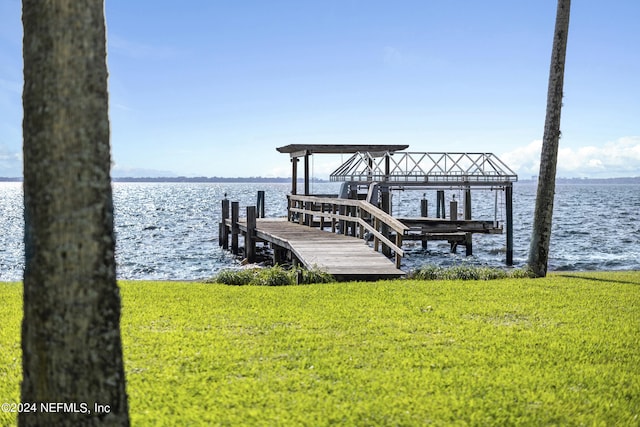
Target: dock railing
357 218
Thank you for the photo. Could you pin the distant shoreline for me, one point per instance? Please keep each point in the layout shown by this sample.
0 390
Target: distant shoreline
217 179
198 179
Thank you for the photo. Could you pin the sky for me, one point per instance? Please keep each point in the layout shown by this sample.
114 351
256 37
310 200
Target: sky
212 87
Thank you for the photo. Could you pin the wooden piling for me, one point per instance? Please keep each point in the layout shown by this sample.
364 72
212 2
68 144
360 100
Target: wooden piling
467 204
386 207
440 213
453 210
424 212
509 207
294 175
224 231
260 204
235 230
249 238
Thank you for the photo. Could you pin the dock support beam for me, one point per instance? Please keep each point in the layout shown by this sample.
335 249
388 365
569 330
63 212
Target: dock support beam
223 237
440 204
249 238
508 190
386 207
260 210
235 230
306 174
424 212
294 175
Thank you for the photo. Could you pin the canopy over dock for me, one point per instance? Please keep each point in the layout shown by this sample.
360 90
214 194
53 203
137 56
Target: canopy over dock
296 151
381 169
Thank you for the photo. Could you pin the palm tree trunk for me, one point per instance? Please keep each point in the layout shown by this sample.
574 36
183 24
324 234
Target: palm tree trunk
71 345
543 214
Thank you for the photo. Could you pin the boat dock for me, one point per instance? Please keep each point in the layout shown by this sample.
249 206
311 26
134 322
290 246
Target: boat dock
352 235
344 257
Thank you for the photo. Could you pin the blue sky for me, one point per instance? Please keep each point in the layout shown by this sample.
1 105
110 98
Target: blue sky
212 87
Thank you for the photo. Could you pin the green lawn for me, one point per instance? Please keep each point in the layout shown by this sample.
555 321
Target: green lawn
564 350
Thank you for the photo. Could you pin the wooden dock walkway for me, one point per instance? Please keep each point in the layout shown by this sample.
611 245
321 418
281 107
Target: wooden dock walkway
345 257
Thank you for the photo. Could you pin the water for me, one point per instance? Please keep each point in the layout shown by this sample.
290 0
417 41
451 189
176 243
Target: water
170 231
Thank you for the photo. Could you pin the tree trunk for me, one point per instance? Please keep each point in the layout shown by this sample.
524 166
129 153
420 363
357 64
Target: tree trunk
541 235
71 345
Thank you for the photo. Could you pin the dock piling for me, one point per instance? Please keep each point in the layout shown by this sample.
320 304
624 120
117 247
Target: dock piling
235 211
260 203
440 204
223 236
424 212
249 238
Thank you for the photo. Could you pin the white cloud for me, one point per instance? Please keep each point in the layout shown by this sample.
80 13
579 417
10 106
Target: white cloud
136 50
620 158
10 162
132 172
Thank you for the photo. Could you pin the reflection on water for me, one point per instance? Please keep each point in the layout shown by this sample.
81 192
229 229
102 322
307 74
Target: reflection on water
170 230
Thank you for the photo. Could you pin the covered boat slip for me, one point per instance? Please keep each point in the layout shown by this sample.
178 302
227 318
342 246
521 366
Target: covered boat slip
362 209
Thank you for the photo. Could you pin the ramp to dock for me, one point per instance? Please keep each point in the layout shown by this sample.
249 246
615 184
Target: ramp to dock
345 257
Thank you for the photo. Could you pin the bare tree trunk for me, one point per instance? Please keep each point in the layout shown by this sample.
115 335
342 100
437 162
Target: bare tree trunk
541 235
72 352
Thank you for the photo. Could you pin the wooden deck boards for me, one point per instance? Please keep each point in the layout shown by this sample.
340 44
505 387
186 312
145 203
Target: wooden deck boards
339 255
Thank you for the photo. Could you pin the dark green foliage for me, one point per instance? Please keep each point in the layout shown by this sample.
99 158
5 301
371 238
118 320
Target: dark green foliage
466 272
273 276
234 277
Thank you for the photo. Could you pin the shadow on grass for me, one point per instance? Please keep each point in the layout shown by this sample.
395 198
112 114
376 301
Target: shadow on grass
599 279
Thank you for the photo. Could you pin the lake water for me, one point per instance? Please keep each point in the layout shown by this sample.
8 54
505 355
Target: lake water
170 230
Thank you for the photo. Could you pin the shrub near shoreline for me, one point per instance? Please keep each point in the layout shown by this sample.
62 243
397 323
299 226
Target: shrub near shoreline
563 350
279 276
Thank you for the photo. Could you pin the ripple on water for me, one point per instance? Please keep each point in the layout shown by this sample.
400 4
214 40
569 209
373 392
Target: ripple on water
169 231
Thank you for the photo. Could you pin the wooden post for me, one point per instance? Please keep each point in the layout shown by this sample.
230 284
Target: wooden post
453 216
509 202
440 213
260 204
249 239
467 204
224 231
294 175
306 174
424 212
398 244
333 220
386 207
279 255
300 205
235 230
468 237
453 210
308 220
387 166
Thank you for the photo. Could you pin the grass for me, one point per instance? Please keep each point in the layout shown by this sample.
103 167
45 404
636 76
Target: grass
564 350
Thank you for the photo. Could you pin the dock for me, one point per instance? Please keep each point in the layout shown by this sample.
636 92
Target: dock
352 235
344 257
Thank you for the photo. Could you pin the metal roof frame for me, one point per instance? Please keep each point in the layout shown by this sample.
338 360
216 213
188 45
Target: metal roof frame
425 168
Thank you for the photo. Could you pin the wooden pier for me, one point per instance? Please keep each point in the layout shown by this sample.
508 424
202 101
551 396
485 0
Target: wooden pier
344 257
302 239
332 233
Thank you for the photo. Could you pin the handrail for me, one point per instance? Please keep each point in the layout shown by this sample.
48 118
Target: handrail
350 211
